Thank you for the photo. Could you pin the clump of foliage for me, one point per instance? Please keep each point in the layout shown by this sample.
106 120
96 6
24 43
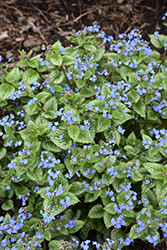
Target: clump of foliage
84 144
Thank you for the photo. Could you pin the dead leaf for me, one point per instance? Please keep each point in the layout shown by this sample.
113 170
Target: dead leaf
3 35
120 1
32 42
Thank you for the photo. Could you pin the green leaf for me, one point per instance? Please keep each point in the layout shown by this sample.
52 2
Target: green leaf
61 180
7 218
90 197
42 193
63 143
107 219
50 146
155 41
133 234
155 158
85 136
33 109
131 138
79 224
52 208
89 47
152 167
113 135
55 245
164 84
21 190
68 60
73 199
140 108
99 168
116 234
150 195
42 96
120 117
2 152
147 99
73 132
50 108
80 83
51 105
56 59
105 90
56 76
137 176
13 75
50 114
151 115
71 167
97 103
57 88
36 175
103 124
161 190
5 91
77 188
56 46
153 150
130 149
30 76
108 179
96 212
47 236
109 208
88 92
98 54
7 205
123 71
135 96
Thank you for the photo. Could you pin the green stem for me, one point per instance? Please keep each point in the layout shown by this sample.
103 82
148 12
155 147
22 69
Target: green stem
40 107
110 72
7 81
162 60
66 76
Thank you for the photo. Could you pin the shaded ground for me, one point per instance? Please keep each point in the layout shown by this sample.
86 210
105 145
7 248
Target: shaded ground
30 23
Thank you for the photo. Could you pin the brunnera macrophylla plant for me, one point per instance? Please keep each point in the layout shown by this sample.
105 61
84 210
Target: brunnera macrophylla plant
83 151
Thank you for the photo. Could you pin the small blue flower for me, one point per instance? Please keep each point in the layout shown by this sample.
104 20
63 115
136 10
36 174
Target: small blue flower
61 137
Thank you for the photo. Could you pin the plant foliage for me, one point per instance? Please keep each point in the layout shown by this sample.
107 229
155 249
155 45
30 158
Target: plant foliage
84 144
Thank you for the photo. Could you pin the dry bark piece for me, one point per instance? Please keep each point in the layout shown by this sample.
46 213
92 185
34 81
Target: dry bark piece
3 35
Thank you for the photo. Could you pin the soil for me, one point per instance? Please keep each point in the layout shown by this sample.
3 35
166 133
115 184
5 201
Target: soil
32 23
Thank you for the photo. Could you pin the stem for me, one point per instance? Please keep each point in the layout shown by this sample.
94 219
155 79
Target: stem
40 107
163 57
44 244
162 60
66 75
110 72
7 81
9 111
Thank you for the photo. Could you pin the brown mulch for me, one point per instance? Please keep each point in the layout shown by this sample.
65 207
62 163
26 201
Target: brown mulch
32 23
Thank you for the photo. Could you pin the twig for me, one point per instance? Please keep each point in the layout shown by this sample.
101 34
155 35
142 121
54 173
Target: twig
35 29
41 13
12 7
76 19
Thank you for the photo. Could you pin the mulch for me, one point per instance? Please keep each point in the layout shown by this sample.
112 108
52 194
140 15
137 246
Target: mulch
32 23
